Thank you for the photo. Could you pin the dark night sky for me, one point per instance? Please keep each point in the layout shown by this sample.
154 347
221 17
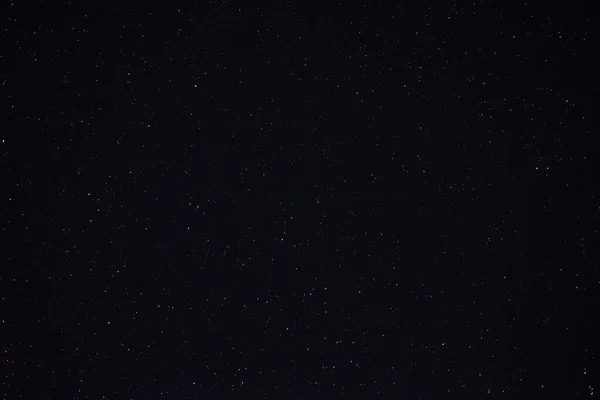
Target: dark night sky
223 201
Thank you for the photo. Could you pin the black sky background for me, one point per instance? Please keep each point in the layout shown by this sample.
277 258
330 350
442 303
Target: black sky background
224 200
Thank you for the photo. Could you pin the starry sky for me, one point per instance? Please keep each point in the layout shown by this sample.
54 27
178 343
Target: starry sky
362 200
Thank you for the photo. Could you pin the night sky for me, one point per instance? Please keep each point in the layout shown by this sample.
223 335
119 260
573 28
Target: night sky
215 200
